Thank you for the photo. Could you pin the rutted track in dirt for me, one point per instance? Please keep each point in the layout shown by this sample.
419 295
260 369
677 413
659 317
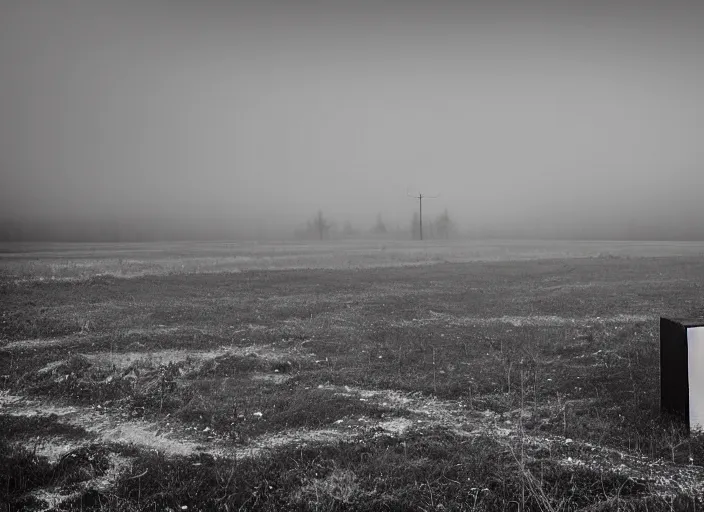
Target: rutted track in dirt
110 427
661 476
419 413
56 496
415 412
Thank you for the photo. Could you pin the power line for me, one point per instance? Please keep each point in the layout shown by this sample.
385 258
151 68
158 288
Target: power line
420 198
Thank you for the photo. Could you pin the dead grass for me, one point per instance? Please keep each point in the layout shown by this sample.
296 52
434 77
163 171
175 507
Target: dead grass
526 385
70 263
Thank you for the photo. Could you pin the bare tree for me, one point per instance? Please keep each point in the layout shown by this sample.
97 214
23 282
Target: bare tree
379 228
444 225
321 224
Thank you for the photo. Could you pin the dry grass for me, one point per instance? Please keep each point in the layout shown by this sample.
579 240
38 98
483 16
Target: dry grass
35 262
526 383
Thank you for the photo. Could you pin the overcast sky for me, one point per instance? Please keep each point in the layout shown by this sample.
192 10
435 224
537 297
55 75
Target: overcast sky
520 110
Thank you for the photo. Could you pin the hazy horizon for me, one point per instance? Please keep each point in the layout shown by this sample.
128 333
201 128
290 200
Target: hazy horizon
530 113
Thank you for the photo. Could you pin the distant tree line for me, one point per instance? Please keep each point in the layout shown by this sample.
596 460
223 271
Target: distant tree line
319 227
441 227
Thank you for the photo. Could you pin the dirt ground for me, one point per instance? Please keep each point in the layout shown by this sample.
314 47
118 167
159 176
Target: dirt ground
369 376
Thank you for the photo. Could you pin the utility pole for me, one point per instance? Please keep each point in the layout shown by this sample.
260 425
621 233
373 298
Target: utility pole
420 198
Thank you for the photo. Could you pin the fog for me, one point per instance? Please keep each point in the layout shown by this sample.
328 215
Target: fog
536 118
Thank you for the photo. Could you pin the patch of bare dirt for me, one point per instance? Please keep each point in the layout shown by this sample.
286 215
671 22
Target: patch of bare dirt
110 427
159 329
86 337
521 321
194 360
56 496
346 432
664 477
38 343
269 442
267 352
50 367
53 448
425 412
122 360
395 426
276 378
439 412
610 284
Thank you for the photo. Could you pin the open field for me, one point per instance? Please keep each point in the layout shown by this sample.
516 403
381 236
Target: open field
343 376
75 262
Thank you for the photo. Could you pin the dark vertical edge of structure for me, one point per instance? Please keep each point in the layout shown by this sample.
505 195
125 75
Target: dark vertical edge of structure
674 380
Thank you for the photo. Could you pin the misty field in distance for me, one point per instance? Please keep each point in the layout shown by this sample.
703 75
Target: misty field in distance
36 261
362 375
